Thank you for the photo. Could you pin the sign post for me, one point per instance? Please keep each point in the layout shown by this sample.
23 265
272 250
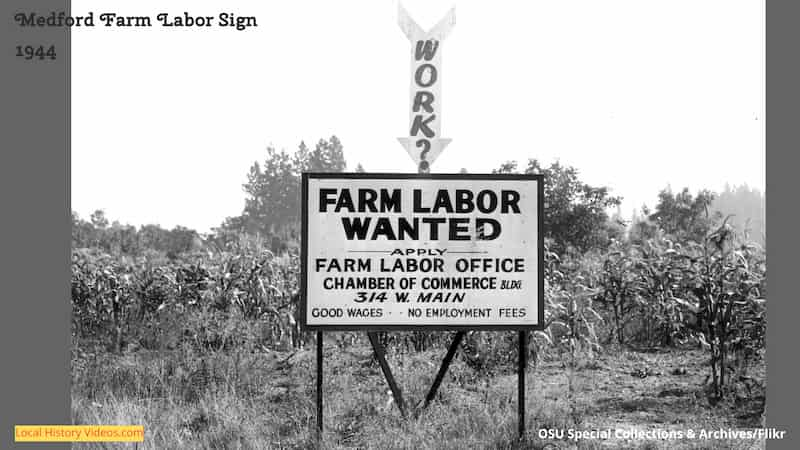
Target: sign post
422 252
523 363
319 386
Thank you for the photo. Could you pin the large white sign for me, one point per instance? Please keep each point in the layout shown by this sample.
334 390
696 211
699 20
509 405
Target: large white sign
401 251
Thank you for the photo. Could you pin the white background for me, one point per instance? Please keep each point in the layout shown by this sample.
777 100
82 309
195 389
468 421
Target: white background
636 94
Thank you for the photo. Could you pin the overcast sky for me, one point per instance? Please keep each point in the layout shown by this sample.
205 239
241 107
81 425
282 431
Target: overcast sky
636 94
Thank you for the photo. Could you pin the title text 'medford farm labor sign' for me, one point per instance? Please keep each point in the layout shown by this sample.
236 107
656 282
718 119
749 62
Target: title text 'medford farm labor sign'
400 251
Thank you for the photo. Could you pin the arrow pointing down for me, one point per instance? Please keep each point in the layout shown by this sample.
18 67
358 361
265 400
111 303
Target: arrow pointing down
424 142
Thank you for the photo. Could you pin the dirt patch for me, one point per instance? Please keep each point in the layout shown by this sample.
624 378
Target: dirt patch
651 389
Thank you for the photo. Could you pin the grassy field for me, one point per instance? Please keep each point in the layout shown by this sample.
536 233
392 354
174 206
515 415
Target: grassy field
203 349
263 399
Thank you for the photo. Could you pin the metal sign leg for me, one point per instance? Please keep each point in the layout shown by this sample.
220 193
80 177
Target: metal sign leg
319 386
443 369
381 355
523 362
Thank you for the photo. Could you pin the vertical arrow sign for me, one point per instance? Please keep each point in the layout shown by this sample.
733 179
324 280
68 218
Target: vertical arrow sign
424 142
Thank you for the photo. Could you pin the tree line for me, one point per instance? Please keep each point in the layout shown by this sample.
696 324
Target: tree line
576 213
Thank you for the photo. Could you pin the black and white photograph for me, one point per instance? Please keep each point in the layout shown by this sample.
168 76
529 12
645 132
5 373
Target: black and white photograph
414 224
